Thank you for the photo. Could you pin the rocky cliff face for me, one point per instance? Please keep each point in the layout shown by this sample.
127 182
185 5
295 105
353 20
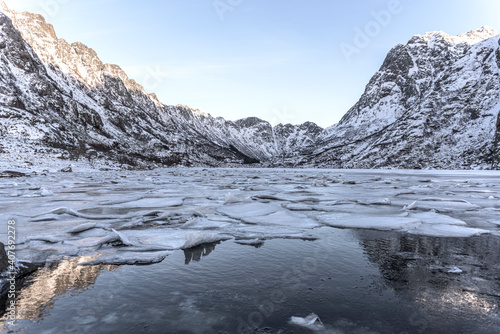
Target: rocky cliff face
434 103
59 95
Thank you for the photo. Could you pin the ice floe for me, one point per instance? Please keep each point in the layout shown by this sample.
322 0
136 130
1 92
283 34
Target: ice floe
118 218
312 322
247 210
445 230
283 218
376 223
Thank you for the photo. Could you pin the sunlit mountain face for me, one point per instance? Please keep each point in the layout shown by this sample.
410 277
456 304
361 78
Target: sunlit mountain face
432 104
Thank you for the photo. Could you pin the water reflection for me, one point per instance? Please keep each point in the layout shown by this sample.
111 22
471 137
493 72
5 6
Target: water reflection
40 290
197 253
454 275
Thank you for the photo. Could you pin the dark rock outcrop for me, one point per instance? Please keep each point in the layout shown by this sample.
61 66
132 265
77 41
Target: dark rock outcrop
60 95
434 103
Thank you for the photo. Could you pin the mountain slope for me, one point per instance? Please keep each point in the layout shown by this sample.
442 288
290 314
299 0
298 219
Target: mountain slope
56 94
434 103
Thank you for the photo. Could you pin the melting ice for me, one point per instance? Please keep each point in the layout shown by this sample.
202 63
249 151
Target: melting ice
141 217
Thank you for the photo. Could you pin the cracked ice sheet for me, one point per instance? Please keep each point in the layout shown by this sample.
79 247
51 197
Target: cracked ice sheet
286 204
145 203
247 210
375 223
119 257
283 218
444 230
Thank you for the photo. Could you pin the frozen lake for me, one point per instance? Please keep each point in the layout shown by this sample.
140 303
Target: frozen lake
245 250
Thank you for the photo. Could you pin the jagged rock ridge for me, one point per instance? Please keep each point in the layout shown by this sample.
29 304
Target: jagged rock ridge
61 95
434 103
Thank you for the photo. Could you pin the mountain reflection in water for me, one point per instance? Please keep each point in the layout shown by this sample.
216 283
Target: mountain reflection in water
381 282
460 276
197 253
40 290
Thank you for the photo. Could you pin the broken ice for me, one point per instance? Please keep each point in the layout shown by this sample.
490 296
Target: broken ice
110 219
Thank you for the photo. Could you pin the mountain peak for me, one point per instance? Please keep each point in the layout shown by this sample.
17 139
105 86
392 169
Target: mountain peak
480 34
471 37
3 6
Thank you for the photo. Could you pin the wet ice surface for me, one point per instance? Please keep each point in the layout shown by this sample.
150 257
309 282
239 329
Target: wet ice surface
116 218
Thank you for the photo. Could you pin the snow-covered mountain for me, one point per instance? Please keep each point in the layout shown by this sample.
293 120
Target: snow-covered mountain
434 103
57 97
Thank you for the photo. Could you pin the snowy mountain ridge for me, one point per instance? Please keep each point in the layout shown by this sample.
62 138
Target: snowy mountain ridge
470 38
70 100
434 103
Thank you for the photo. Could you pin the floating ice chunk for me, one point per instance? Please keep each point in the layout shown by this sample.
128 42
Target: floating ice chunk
376 223
250 242
46 192
71 212
269 197
445 230
230 199
204 224
117 257
46 238
384 201
83 242
116 237
270 232
312 322
82 228
245 210
45 218
455 270
445 204
299 207
283 218
436 218
308 200
62 211
163 215
124 238
412 206
199 238
153 203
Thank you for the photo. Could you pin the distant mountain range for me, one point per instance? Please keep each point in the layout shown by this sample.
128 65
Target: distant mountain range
434 103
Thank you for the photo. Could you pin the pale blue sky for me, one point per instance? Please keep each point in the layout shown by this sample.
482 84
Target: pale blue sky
280 60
